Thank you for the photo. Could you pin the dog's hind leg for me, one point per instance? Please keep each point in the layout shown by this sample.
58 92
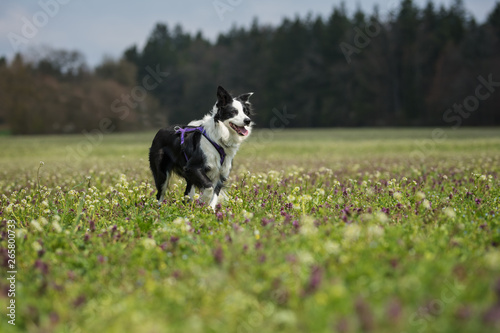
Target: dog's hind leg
162 169
163 187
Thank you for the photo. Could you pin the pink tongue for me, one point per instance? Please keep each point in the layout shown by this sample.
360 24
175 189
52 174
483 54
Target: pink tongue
243 131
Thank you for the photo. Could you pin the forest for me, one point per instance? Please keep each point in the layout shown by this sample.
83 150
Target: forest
429 66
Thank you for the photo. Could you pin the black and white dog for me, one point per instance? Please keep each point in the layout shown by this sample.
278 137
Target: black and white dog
202 152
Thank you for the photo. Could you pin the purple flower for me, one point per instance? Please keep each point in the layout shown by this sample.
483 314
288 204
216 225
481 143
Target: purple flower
218 254
394 310
314 280
365 315
79 301
43 267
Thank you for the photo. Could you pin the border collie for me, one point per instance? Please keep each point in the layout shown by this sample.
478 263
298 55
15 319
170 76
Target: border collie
202 152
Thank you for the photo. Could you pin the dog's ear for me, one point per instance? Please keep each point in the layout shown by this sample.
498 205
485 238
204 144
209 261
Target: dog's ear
245 97
223 97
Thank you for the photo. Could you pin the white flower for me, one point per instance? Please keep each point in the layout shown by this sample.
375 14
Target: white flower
332 247
8 209
257 234
247 215
381 217
398 196
375 231
320 191
36 246
426 204
420 195
308 227
56 226
448 211
352 232
148 243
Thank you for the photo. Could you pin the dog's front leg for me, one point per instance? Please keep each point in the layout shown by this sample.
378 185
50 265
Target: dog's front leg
189 191
208 196
216 193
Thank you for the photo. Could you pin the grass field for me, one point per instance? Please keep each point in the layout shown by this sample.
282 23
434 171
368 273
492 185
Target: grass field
323 231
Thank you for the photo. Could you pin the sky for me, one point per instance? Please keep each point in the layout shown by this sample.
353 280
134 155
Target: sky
105 28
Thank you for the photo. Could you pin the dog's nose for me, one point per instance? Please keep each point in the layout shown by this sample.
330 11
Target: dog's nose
247 121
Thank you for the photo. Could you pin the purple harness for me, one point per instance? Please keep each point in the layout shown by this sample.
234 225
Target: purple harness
187 129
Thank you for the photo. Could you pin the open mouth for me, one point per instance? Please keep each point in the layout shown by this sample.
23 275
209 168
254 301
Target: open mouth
241 130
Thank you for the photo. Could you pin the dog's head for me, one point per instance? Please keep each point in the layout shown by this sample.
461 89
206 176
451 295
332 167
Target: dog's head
234 112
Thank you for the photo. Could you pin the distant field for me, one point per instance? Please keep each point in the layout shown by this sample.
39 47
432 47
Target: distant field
332 230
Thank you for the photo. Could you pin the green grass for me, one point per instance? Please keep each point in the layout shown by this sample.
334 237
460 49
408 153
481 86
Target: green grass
335 230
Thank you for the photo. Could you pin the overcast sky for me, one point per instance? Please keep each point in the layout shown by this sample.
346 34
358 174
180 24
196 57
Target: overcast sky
107 27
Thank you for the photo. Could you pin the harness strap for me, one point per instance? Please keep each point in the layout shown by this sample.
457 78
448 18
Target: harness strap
187 129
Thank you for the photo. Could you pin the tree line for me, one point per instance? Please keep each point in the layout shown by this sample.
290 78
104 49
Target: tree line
412 67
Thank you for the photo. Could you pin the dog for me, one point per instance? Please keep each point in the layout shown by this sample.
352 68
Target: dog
202 152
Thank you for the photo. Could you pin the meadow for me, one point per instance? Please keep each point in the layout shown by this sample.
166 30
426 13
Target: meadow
333 230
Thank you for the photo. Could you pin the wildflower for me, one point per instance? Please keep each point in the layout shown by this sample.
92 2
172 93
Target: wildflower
398 196
332 247
352 232
320 192
306 198
308 227
218 254
36 225
314 280
178 221
448 211
148 243
257 234
56 226
375 231
420 195
36 246
8 209
381 217
426 203
247 215
20 233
